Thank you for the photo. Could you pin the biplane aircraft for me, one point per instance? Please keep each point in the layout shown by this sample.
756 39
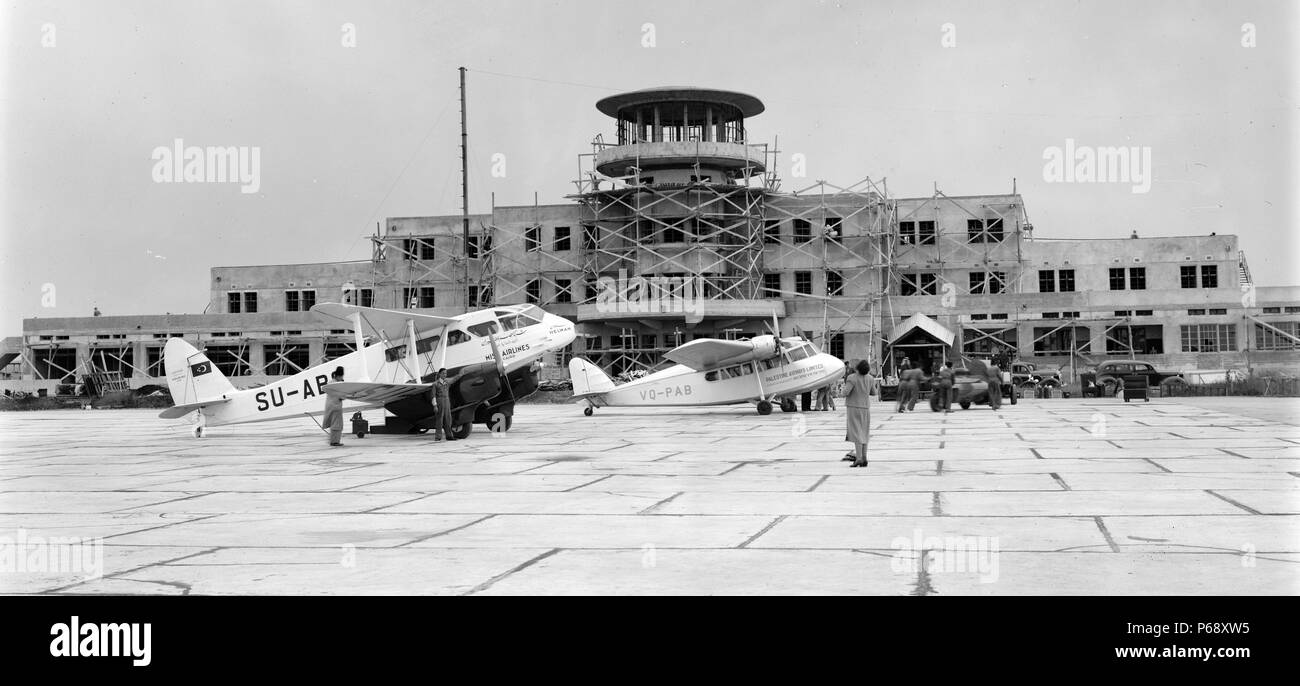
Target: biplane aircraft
710 371
496 353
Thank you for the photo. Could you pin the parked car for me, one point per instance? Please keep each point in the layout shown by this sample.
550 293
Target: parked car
1023 373
1107 378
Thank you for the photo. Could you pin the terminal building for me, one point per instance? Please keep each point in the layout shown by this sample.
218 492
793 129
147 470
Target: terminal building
678 190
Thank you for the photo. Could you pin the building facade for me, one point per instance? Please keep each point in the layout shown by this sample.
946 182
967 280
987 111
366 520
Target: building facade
678 202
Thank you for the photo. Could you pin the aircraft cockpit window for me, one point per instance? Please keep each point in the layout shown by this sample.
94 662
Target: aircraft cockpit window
456 337
484 328
711 376
531 315
798 353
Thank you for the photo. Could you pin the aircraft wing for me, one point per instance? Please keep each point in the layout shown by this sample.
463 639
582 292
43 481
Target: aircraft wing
388 324
710 353
377 393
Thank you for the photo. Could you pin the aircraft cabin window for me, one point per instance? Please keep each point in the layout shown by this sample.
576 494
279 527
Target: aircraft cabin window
484 328
456 337
424 345
711 376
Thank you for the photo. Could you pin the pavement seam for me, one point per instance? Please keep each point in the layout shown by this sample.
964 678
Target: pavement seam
774 522
936 504
923 585
819 482
443 533
164 502
1230 501
514 570
422 496
1160 466
372 483
595 481
1110 541
161 526
657 505
114 575
1059 480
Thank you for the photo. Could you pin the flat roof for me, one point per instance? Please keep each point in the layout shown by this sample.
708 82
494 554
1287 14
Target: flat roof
747 104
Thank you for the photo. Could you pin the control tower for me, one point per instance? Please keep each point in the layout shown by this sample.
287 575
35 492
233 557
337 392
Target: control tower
679 191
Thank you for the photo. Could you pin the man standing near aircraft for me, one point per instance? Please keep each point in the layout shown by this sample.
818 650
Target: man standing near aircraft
442 399
945 377
994 376
334 412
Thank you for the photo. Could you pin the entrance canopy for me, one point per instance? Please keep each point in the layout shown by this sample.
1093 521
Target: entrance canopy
926 325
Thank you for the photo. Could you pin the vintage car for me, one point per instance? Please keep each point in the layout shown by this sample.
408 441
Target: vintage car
970 389
1107 378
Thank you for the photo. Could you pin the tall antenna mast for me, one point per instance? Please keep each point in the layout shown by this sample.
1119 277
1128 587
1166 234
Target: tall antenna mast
464 186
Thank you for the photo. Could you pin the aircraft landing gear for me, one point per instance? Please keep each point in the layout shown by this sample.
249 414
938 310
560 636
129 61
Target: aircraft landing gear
462 430
764 407
198 431
788 405
200 426
587 411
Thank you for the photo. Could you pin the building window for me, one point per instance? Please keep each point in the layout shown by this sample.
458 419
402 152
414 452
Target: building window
1117 279
1046 280
473 295
978 317
907 233
984 231
1049 342
533 292
1137 278
1142 340
803 283
1187 275
925 232
1209 276
284 360
409 249
1051 315
1209 338
1272 310
474 247
1196 311
233 302
299 301
834 228
414 298
1066 282
1218 310
802 231
561 238
563 291
1265 338
772 285
918 284
1143 313
232 360
834 283
366 297
590 235
771 231
333 351
1123 313
532 238
1290 309
250 302
835 345
987 282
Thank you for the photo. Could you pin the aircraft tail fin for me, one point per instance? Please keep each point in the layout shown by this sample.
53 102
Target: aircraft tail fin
588 379
191 376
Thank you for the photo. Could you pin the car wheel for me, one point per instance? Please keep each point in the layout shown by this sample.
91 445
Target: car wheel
462 430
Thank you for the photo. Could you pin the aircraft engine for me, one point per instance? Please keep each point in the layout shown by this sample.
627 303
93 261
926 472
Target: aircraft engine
764 346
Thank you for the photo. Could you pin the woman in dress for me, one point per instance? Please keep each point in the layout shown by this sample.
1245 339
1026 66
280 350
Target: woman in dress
858 411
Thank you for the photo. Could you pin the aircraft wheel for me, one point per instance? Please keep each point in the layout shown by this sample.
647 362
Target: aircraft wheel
765 407
588 411
787 405
462 430
965 405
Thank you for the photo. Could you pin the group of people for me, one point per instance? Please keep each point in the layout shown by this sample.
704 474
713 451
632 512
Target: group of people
440 395
944 385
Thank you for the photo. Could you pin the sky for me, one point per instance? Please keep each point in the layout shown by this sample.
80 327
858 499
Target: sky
353 110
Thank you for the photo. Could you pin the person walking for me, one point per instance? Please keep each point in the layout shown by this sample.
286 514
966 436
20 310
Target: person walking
442 399
334 411
903 367
994 376
945 378
858 411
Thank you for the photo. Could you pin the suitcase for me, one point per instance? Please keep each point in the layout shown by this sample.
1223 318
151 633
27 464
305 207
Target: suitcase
1136 387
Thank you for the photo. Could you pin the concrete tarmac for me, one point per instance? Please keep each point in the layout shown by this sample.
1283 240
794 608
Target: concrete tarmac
1081 496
